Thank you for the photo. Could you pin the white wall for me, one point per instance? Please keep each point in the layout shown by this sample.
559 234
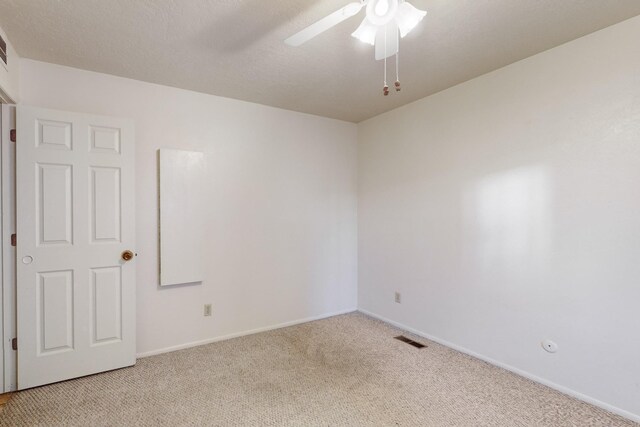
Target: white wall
9 73
281 204
506 210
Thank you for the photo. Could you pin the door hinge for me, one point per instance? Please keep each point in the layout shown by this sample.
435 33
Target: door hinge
12 135
14 343
14 240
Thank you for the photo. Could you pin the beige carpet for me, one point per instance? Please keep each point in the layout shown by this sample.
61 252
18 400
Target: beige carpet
342 371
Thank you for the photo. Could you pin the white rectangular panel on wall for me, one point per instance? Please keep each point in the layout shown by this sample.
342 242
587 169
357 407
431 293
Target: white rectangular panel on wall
181 216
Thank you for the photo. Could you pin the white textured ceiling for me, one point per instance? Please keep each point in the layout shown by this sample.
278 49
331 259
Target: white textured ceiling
235 48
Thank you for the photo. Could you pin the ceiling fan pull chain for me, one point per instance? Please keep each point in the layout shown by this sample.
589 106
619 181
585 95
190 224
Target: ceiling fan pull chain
385 89
397 73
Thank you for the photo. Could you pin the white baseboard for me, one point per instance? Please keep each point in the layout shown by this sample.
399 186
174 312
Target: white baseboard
558 387
241 334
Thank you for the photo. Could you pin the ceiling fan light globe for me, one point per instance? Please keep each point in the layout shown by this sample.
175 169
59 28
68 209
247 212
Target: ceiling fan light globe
408 16
390 7
366 32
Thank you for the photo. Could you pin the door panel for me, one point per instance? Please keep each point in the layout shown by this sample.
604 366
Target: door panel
53 135
54 202
55 314
106 291
105 204
75 210
105 140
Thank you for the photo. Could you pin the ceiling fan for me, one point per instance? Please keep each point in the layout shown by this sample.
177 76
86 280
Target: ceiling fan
386 21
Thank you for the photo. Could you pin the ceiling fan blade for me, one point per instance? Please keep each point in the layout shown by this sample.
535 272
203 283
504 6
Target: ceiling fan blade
325 23
390 46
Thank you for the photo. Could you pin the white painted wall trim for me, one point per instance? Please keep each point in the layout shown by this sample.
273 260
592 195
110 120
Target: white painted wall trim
5 98
532 377
2 344
243 333
7 318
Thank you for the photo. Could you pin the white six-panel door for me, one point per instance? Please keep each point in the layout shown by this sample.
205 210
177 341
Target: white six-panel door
75 218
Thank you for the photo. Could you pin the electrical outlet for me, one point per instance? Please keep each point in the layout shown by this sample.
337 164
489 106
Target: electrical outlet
398 298
207 309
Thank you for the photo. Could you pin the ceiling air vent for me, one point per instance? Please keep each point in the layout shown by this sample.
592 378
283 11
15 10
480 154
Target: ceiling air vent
3 50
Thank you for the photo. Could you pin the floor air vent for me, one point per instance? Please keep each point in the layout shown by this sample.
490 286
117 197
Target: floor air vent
410 341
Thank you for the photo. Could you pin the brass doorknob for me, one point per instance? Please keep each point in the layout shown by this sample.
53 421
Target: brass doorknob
127 255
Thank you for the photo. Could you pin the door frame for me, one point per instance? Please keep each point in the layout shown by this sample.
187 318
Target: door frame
2 251
8 264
